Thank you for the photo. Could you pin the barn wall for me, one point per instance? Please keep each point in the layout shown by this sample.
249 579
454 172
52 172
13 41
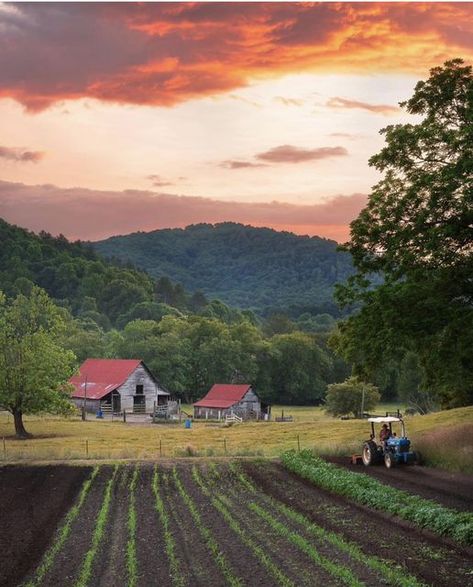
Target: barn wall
127 391
92 405
250 402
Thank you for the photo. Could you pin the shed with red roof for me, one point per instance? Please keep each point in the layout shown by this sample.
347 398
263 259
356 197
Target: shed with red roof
117 384
223 399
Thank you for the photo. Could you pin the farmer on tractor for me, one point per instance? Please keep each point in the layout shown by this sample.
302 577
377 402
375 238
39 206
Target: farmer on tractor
385 433
393 450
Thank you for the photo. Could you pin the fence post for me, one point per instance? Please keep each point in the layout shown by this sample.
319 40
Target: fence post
225 445
4 449
124 415
298 443
87 448
160 448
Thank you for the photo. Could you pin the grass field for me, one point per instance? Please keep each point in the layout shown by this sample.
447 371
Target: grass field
61 439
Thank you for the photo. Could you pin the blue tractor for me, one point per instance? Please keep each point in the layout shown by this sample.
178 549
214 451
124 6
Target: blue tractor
390 448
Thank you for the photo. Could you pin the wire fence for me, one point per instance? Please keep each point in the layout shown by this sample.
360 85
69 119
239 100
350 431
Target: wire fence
13 450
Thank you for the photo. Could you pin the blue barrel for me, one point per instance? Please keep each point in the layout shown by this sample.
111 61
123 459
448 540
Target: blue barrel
99 414
187 423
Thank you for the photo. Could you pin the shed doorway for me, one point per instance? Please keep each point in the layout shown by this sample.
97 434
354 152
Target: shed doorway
139 404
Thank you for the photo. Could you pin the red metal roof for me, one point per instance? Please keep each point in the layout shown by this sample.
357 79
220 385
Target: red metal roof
102 376
223 395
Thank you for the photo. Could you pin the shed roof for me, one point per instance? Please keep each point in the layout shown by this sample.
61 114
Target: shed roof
223 395
98 377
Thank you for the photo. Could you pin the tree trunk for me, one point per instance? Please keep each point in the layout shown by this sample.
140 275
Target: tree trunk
19 426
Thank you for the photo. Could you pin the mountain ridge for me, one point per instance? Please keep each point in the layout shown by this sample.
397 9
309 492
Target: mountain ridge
245 266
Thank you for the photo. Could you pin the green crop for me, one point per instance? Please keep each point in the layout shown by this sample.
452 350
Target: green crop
368 491
97 536
63 532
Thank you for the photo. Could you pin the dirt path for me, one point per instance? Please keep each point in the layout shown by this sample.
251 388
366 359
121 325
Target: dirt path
33 501
454 490
429 559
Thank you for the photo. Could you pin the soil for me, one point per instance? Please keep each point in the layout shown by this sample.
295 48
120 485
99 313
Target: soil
454 490
32 502
429 558
45 494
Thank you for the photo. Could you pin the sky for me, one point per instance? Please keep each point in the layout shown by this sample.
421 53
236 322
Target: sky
119 117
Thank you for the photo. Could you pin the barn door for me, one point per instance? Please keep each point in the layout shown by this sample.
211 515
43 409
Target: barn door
139 404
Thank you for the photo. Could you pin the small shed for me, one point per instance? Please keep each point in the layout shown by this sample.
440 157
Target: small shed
116 385
223 399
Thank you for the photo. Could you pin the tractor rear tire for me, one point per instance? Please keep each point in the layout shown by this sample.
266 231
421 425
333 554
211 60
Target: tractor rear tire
389 460
369 454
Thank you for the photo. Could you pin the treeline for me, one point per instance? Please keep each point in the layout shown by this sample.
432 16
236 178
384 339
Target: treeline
246 267
191 353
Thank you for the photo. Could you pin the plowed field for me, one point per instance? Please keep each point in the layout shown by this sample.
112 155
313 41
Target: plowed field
211 524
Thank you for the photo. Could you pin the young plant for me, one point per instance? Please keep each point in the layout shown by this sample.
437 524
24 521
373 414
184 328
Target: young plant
170 545
100 524
220 504
206 534
390 573
131 559
63 533
368 491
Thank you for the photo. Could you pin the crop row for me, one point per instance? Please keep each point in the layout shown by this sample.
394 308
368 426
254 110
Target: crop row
368 491
63 533
390 573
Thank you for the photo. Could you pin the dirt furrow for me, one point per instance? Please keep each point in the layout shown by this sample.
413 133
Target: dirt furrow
66 568
293 563
110 564
198 563
429 559
153 563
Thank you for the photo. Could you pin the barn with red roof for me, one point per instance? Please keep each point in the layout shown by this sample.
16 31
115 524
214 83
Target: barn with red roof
224 399
117 385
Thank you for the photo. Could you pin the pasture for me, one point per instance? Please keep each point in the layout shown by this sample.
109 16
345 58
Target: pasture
57 439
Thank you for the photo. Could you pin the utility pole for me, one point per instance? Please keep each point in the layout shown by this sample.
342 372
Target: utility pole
84 405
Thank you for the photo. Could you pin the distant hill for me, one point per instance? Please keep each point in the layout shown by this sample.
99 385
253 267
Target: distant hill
246 267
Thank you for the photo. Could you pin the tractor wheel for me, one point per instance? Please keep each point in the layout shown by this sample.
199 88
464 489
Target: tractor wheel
389 460
369 454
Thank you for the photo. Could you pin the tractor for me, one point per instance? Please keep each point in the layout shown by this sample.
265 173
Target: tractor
393 449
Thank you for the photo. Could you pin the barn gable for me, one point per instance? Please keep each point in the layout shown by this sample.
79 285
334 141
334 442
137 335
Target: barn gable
223 399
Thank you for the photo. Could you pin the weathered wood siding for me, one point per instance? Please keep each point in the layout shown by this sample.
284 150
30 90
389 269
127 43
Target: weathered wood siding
127 391
250 403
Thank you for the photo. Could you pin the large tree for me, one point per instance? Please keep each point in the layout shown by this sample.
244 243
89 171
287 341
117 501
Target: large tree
412 245
34 368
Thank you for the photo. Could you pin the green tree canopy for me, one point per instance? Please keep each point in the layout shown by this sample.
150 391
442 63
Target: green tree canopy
416 232
34 368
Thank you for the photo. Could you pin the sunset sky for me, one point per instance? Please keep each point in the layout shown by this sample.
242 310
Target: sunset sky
124 117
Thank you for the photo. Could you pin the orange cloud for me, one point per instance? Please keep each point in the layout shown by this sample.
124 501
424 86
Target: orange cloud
376 108
20 155
291 154
93 214
235 164
165 53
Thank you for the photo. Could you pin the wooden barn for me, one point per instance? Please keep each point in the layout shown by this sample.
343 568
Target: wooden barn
224 399
114 385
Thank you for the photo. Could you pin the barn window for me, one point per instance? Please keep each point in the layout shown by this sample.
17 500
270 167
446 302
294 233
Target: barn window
139 390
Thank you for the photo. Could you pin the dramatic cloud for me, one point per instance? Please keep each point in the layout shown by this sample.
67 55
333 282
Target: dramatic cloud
92 214
235 164
290 154
377 108
164 53
20 155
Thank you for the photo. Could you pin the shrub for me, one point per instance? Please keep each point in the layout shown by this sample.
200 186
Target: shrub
351 397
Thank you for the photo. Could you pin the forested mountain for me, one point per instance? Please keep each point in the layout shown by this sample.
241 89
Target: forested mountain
246 267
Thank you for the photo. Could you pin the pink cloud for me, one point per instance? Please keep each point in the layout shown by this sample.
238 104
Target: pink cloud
337 102
291 154
160 53
93 214
20 155
235 164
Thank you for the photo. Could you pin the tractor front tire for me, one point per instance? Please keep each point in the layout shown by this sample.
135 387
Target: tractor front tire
369 454
389 460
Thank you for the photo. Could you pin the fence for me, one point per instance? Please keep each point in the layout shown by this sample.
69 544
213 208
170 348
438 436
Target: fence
36 450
